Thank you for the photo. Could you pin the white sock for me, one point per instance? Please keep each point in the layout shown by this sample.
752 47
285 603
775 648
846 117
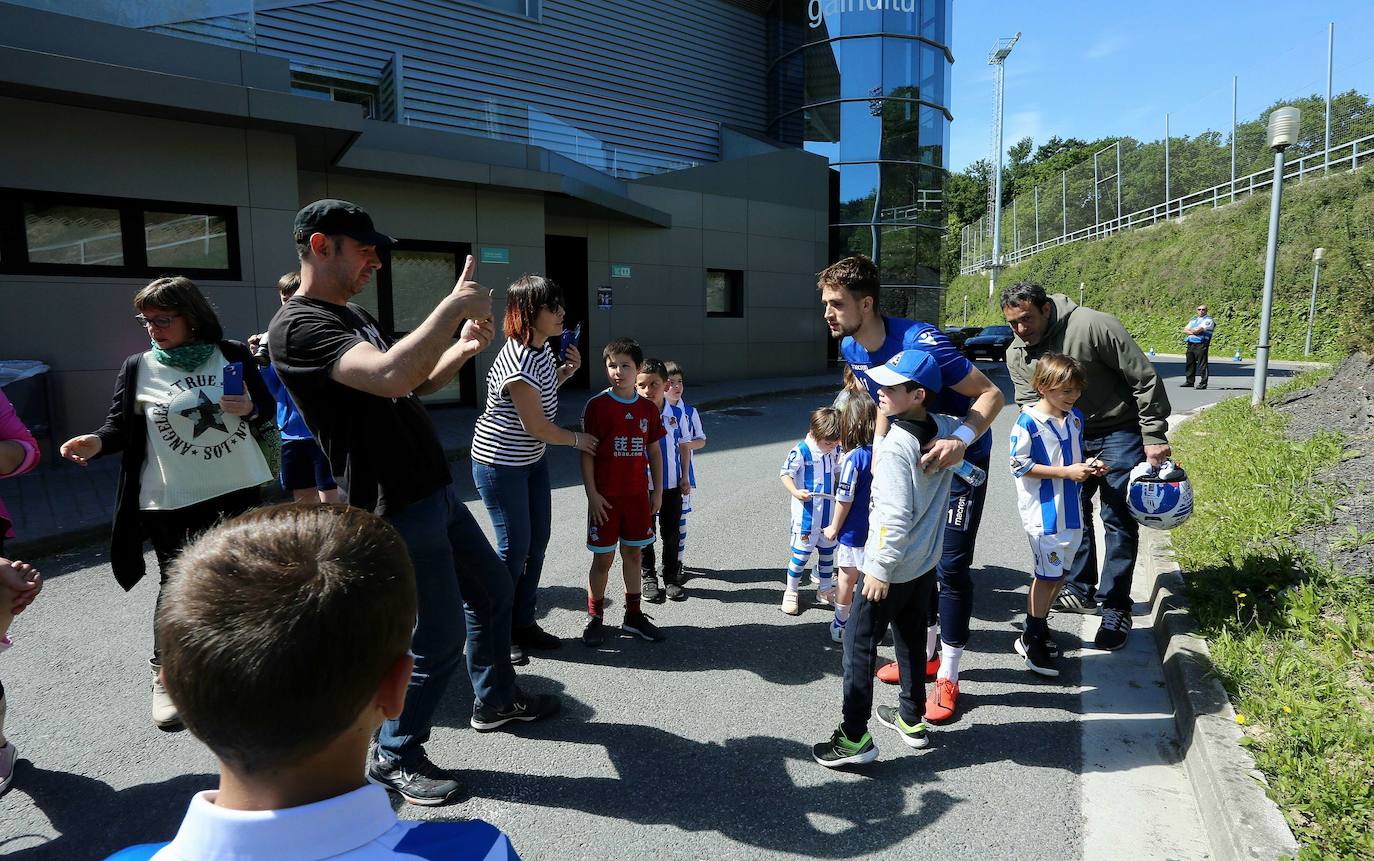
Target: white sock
3 742
793 582
822 582
949 661
932 637
842 612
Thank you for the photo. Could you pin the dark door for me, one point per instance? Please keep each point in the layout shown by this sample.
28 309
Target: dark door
566 263
414 276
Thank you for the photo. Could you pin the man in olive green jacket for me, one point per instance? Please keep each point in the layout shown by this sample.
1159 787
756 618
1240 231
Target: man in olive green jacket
1127 413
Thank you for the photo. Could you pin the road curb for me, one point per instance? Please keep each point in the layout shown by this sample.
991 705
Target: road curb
1238 817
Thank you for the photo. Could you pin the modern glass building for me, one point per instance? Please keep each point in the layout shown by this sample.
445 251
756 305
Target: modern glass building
866 83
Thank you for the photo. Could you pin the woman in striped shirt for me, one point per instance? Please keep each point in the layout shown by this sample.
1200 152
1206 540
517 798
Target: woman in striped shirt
508 463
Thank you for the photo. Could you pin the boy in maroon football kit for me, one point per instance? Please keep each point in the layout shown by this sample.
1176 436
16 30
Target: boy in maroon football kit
620 506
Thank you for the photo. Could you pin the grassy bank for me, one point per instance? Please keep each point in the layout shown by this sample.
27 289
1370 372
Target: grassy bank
1153 277
1292 639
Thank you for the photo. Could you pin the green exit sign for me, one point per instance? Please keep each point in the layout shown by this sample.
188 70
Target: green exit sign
495 254
620 270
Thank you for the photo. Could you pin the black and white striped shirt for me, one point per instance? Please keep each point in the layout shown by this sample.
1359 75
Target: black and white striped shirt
500 439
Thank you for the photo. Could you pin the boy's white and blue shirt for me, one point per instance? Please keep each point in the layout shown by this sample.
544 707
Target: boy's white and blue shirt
690 429
855 487
1048 505
356 826
815 471
681 426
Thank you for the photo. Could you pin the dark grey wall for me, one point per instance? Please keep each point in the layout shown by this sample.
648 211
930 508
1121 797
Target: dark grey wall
652 76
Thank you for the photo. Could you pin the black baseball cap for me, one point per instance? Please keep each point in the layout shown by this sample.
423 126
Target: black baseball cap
338 218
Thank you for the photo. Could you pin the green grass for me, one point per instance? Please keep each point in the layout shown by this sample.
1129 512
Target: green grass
1152 278
1292 639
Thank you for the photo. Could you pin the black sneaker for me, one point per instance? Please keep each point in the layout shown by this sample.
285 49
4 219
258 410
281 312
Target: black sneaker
517 654
653 593
1111 634
1070 601
535 638
526 708
1037 655
841 751
594 632
639 624
673 586
1185 385
1052 647
424 783
912 735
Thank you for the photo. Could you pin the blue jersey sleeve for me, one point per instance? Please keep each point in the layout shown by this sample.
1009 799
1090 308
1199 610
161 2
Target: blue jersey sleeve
954 365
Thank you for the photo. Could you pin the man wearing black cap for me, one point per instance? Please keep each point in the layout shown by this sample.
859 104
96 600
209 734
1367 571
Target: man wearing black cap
358 394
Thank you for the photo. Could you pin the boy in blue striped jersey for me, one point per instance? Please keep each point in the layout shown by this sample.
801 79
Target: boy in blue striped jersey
809 474
651 383
1048 462
691 438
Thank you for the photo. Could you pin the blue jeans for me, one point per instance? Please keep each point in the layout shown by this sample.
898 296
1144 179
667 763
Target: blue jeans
520 504
1121 450
458 579
954 604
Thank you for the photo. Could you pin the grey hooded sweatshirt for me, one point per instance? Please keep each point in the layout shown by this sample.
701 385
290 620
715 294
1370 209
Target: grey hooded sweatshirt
1123 389
907 511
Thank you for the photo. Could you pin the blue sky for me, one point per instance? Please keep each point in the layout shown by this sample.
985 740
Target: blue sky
1095 69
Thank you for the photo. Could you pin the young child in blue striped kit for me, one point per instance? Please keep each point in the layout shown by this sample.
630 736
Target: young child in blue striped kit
1047 461
691 438
810 474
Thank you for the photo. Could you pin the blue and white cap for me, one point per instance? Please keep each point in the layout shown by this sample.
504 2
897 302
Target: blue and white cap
908 366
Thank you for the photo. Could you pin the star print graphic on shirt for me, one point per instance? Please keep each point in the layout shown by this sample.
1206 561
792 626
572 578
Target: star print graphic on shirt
196 451
207 415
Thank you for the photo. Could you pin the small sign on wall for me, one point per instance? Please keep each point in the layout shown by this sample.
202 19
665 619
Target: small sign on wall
620 270
603 298
495 254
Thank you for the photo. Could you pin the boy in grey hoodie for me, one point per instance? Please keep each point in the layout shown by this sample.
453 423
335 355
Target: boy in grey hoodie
905 536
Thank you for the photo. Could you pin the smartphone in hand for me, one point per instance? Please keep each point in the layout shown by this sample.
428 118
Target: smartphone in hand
570 337
233 378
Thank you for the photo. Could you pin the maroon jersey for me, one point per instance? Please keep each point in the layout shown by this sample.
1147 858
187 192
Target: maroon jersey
624 431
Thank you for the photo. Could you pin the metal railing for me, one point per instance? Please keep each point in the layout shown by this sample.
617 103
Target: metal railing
1321 163
86 257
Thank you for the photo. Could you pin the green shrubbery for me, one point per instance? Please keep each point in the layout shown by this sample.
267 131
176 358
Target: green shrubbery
1153 277
1291 638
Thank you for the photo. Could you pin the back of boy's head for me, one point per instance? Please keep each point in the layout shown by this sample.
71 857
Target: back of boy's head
288 284
655 366
825 424
857 420
625 347
1055 371
673 369
277 628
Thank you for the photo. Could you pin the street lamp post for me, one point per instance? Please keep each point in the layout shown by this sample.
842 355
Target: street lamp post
1317 255
1283 131
999 54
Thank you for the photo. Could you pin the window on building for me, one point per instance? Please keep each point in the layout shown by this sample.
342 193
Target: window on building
330 89
415 275
724 293
43 233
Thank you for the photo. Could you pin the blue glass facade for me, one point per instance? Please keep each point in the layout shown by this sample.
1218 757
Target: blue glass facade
866 83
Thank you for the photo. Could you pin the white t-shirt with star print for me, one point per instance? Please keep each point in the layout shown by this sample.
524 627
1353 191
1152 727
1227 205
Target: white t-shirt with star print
196 451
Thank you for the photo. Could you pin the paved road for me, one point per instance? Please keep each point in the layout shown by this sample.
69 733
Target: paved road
693 748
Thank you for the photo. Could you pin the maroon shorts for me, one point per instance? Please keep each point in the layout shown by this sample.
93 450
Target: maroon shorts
628 522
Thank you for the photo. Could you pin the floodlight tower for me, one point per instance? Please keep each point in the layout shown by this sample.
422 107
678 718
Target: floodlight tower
999 54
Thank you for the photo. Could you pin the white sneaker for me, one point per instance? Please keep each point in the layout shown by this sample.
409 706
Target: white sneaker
825 597
8 756
791 602
837 630
164 710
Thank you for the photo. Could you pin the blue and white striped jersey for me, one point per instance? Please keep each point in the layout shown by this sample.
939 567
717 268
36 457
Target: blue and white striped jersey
855 486
690 420
672 458
814 471
1048 505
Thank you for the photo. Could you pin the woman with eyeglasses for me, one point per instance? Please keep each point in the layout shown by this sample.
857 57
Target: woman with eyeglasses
188 454
508 463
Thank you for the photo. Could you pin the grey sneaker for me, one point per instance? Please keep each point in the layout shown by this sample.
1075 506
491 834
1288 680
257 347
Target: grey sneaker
424 783
165 713
8 757
912 735
653 593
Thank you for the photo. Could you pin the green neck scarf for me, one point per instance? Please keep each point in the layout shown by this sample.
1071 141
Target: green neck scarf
187 357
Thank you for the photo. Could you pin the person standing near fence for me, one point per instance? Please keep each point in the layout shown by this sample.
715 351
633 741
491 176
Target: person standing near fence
1199 331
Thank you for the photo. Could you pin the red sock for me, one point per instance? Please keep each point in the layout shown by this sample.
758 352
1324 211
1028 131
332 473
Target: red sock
595 606
631 603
